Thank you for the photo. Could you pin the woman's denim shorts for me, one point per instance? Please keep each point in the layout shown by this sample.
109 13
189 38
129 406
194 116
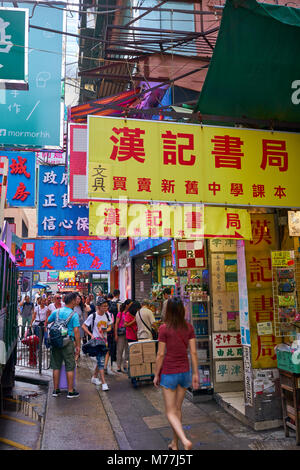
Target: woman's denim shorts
171 381
100 361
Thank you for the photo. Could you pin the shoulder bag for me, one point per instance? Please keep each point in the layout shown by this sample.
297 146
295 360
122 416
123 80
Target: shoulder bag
121 331
152 330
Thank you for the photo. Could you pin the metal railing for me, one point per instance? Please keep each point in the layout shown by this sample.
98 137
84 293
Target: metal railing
32 348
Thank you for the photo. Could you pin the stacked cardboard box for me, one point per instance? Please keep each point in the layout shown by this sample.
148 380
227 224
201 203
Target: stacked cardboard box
142 356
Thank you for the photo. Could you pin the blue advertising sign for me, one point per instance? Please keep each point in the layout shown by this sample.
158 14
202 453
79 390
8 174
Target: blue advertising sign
55 216
144 244
20 179
66 255
33 118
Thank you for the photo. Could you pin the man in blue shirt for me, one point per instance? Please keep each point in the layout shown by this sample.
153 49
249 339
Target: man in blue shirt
68 352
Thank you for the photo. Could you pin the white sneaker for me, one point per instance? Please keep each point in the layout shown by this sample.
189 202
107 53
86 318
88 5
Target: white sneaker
96 381
105 387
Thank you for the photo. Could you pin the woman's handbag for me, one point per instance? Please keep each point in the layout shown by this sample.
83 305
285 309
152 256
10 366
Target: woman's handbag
121 331
152 330
94 347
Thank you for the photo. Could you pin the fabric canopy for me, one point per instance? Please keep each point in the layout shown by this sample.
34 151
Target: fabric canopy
255 68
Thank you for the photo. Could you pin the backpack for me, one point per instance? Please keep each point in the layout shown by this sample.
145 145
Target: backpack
58 332
113 308
91 327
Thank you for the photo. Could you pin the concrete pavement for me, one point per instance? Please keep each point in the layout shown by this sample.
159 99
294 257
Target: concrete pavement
126 418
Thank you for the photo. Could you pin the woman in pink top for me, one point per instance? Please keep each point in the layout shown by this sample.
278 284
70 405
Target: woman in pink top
120 336
130 323
175 337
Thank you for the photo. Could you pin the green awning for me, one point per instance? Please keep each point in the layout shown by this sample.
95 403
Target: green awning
255 69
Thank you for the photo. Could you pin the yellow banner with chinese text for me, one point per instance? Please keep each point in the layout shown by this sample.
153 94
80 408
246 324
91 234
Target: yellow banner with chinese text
164 161
163 220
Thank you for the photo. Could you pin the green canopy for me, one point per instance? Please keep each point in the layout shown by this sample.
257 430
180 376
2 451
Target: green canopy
255 69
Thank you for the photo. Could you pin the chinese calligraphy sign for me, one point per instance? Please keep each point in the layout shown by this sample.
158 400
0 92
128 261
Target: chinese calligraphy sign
165 161
20 179
67 255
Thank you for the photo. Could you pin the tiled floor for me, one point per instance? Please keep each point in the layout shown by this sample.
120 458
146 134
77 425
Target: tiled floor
235 399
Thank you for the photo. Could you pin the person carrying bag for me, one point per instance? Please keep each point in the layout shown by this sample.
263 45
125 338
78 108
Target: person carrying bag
145 320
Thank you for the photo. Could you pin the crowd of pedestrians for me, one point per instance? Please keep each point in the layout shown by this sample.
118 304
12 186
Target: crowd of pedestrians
114 325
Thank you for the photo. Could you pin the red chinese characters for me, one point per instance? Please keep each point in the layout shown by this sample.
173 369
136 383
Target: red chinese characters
119 183
168 186
172 149
130 145
19 167
96 264
274 154
85 248
233 220
227 151
153 218
144 184
58 249
112 216
236 189
72 263
46 263
191 187
21 192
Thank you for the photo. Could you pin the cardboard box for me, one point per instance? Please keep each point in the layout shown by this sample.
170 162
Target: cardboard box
135 348
153 367
136 371
135 359
149 348
146 368
147 358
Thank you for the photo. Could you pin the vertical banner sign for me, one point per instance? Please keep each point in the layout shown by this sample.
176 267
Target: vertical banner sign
56 217
33 118
260 294
243 294
78 163
20 179
14 48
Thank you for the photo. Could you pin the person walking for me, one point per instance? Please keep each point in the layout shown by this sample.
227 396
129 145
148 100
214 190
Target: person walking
120 336
68 353
144 320
80 310
166 295
57 303
39 318
176 336
99 327
27 309
130 322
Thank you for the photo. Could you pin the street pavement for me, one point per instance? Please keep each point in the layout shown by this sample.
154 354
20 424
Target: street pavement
133 419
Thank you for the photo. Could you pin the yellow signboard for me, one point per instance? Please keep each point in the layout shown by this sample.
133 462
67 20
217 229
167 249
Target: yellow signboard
164 161
282 259
66 275
163 220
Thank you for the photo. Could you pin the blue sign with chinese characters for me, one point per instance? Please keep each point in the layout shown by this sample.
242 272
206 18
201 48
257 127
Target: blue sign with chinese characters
67 255
55 216
20 179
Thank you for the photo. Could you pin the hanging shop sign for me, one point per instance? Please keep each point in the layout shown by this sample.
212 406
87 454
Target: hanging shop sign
77 156
35 119
164 220
283 259
56 217
20 178
66 255
243 294
190 254
52 276
14 48
163 161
